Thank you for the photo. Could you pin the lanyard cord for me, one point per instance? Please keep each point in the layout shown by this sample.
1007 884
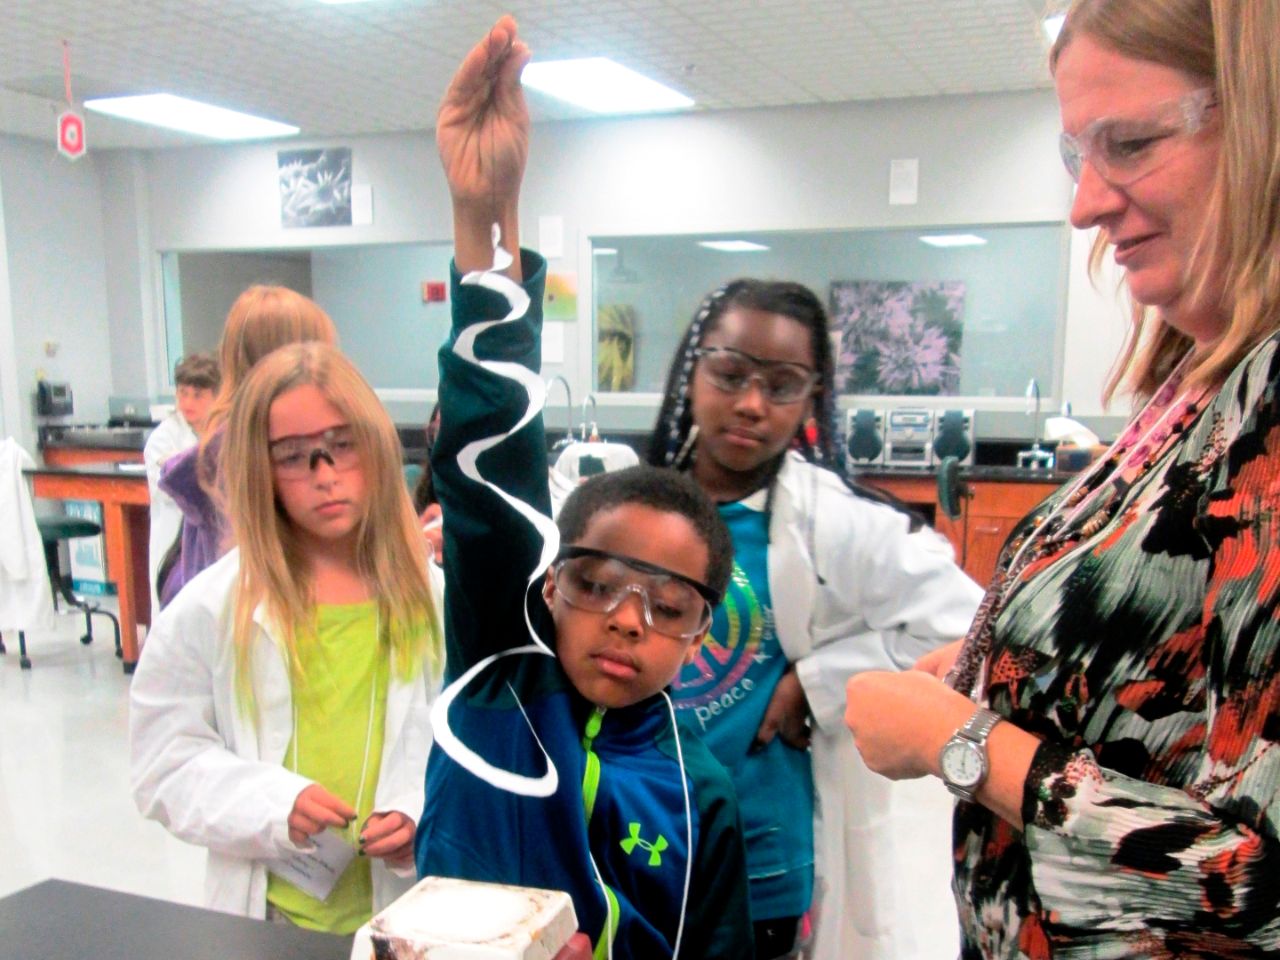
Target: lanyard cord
368 734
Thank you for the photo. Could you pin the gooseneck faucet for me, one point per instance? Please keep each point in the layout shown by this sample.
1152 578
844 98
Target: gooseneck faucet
589 429
1035 458
568 412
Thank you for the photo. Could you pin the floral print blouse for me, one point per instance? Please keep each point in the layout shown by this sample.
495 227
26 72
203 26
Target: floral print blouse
1133 626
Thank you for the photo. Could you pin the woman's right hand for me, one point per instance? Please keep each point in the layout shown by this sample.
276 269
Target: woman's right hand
578 948
317 809
939 661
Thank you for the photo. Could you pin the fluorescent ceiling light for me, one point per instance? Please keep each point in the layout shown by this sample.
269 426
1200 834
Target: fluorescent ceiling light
602 86
1052 26
336 2
190 116
605 251
732 246
953 240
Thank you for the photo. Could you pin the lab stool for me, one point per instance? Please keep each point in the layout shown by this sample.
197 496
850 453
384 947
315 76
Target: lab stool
52 531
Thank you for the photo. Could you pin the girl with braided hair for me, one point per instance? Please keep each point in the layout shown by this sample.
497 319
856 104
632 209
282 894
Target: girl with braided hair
829 579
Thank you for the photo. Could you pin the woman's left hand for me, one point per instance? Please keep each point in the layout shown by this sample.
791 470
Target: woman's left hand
900 721
787 715
388 836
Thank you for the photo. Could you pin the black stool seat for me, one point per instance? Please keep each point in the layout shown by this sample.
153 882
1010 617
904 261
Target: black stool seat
52 531
66 528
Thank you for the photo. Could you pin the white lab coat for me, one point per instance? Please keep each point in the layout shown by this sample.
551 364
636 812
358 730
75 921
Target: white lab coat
852 590
25 600
202 768
172 436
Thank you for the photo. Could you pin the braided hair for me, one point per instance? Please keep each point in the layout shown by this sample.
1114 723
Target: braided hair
671 444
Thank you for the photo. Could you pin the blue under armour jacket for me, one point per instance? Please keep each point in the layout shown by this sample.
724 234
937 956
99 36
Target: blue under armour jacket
628 818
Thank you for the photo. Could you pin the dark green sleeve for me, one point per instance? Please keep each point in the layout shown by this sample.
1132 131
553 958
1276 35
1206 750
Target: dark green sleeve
489 549
718 921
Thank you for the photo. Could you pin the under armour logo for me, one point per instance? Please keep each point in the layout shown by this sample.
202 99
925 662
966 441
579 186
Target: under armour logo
654 849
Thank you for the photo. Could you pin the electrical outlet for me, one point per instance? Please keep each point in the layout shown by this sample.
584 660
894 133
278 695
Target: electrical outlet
51 348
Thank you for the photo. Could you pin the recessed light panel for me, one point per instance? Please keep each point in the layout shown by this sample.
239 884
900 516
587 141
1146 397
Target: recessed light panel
602 86
733 246
953 240
1052 26
190 116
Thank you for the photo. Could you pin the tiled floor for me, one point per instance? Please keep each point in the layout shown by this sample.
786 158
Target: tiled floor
65 809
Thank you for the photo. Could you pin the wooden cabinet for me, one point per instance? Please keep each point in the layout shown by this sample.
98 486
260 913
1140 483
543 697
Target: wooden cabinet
988 515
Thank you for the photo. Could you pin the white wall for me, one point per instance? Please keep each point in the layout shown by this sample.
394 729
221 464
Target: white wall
130 273
53 224
983 159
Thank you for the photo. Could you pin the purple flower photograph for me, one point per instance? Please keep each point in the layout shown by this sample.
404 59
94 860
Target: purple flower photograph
897 336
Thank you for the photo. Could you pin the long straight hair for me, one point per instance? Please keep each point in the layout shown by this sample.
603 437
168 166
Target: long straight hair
1235 267
391 554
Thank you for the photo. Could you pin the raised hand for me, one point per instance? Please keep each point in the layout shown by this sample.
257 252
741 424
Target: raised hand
482 132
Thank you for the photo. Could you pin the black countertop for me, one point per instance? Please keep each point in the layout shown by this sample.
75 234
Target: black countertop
57 920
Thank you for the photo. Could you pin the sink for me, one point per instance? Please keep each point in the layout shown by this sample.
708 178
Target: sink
106 438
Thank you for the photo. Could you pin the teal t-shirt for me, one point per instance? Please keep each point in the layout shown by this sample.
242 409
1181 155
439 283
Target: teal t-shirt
722 696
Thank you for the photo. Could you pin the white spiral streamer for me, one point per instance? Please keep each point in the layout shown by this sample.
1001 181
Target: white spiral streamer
546 784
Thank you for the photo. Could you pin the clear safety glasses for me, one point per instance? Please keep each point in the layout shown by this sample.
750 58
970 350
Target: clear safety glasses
1123 150
294 458
599 581
734 371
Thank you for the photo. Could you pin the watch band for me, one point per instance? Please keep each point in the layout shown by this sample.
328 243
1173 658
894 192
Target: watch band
978 727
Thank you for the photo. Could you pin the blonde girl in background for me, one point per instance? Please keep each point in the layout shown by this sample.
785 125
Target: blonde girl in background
262 319
279 716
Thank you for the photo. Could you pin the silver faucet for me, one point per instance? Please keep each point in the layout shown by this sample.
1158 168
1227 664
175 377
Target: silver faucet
1035 458
594 430
568 407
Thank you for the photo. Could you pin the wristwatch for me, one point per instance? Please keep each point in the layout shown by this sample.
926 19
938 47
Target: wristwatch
964 757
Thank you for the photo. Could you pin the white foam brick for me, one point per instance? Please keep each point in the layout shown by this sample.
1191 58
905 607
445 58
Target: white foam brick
446 919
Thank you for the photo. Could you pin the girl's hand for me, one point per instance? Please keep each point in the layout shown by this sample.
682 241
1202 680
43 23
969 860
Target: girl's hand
388 836
482 129
787 715
900 721
432 520
938 662
316 809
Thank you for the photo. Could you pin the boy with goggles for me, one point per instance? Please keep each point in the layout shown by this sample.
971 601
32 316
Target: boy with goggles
596 580
557 760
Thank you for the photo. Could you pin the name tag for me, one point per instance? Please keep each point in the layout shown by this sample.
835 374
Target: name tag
316 871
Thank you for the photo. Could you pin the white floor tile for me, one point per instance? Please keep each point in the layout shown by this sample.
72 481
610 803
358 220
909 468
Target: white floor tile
65 808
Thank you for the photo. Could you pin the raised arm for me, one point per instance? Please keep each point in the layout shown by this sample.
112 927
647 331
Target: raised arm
490 550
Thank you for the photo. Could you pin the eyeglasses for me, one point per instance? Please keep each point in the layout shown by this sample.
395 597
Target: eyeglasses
294 458
1124 150
599 581
734 371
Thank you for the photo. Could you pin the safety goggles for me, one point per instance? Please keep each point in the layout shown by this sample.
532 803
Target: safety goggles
733 371
1124 150
294 458
599 581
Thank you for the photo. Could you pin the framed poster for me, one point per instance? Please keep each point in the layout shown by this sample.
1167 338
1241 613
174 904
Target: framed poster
898 337
315 187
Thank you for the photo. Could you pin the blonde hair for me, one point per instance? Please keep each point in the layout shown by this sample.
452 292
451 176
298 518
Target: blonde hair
391 553
262 319
1235 266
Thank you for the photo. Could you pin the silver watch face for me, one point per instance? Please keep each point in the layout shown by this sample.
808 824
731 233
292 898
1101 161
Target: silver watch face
961 762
